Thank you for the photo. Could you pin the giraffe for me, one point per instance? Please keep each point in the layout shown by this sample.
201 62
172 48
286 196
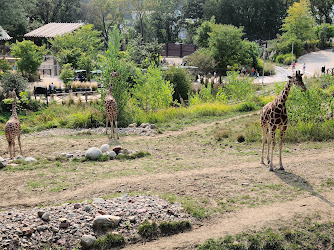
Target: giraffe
111 106
274 116
13 128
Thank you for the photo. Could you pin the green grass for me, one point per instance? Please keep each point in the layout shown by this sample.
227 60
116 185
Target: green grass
108 241
316 236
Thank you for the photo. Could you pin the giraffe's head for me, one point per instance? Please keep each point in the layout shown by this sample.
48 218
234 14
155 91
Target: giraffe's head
114 74
298 80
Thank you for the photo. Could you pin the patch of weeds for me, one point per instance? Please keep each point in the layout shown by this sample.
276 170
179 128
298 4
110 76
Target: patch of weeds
246 107
103 157
61 158
175 227
221 133
330 182
133 156
108 241
148 230
81 159
191 207
305 236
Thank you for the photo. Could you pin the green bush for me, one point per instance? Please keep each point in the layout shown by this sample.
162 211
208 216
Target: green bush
152 92
170 228
246 107
4 65
148 230
67 73
10 81
181 82
108 241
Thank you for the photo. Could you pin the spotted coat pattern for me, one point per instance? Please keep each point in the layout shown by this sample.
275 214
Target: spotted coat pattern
13 128
111 107
274 116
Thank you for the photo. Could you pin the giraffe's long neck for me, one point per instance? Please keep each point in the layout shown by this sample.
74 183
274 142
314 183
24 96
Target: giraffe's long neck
14 114
285 92
110 86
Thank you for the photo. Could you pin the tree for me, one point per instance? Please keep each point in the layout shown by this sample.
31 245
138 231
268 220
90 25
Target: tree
203 33
31 56
144 54
203 60
84 42
225 46
322 9
142 10
104 15
181 82
299 21
13 81
66 75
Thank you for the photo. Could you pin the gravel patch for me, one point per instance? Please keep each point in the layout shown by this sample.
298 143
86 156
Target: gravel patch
63 226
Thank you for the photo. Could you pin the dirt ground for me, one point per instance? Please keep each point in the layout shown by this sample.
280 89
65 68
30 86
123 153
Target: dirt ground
225 178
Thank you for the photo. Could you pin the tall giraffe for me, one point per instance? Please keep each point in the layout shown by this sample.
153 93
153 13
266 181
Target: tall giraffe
274 116
111 106
13 128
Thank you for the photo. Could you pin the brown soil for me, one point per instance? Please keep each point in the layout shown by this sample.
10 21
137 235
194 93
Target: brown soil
224 178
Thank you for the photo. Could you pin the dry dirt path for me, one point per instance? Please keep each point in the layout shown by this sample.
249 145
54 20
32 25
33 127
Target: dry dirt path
205 171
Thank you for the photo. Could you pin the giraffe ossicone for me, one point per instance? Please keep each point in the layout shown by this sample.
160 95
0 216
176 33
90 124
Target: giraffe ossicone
13 128
274 116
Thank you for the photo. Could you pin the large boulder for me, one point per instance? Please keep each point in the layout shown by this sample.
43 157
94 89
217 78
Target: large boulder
87 241
105 148
30 159
2 163
112 155
93 153
105 222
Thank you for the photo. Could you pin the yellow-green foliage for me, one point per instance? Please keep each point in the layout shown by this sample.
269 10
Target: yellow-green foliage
199 110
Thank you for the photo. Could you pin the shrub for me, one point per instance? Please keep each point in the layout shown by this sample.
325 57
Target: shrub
108 241
12 81
170 228
148 230
181 82
4 65
152 92
246 107
67 74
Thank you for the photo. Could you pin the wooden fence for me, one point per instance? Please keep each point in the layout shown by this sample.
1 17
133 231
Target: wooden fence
178 50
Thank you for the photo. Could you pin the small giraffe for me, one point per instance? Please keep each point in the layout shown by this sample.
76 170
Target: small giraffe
13 128
274 116
111 106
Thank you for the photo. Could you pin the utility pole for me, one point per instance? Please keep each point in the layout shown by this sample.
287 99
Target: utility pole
292 56
264 57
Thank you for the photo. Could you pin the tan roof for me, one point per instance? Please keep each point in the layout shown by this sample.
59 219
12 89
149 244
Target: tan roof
3 35
51 30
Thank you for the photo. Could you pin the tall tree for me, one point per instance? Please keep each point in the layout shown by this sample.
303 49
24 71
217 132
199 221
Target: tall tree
322 9
105 15
299 21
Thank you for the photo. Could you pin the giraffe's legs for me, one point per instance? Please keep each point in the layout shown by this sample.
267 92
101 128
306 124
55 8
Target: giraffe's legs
264 131
116 128
272 140
107 125
19 140
13 145
280 147
10 149
268 141
112 127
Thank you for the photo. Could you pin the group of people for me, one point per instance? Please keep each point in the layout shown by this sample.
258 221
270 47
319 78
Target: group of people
254 72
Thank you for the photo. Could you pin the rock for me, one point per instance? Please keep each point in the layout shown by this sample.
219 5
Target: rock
117 149
30 159
132 125
69 155
27 231
77 206
112 155
106 221
2 159
20 157
87 241
40 214
153 126
93 153
64 223
132 219
144 125
105 148
98 200
87 208
46 217
3 164
42 228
